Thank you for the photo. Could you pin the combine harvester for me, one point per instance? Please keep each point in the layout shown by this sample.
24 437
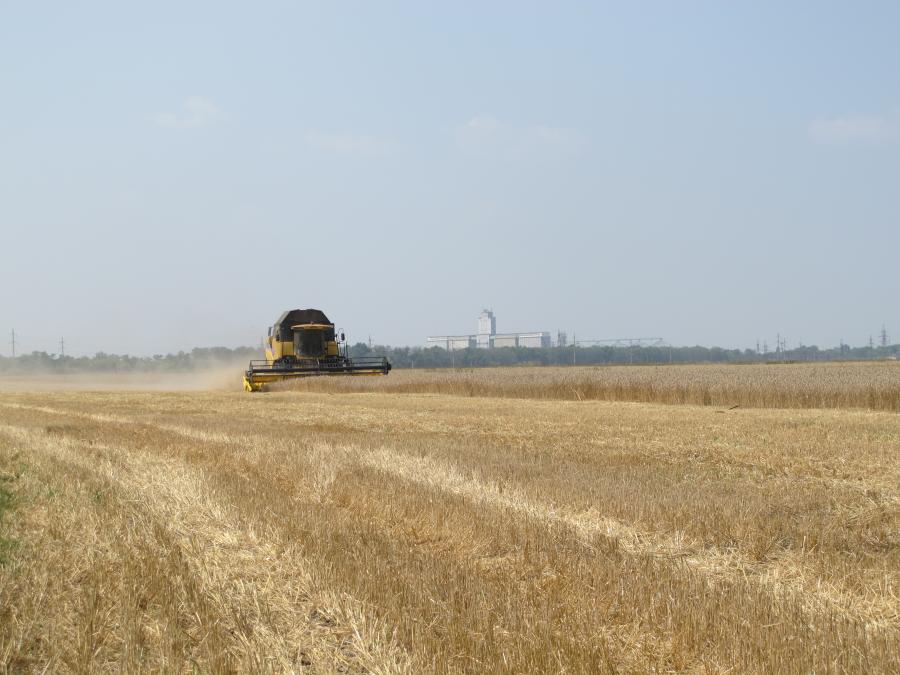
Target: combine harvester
302 343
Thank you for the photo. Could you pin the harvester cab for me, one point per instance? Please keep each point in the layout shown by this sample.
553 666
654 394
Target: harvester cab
303 343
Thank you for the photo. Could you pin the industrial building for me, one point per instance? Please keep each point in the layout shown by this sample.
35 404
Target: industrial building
487 337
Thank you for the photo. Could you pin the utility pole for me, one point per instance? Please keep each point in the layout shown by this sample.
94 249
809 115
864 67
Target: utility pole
13 343
62 348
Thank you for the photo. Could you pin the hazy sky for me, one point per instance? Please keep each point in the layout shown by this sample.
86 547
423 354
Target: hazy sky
176 175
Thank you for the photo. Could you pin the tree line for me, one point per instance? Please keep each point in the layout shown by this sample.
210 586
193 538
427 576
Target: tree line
202 358
437 357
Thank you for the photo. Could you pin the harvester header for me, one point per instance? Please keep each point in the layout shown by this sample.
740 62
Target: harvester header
303 343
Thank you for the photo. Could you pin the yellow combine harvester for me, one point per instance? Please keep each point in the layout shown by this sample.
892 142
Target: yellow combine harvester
302 343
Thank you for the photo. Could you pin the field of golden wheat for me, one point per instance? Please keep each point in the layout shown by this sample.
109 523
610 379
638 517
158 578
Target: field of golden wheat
429 527
872 385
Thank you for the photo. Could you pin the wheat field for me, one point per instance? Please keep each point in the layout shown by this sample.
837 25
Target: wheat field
870 385
397 530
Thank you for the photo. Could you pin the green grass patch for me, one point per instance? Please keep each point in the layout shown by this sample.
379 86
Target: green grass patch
7 544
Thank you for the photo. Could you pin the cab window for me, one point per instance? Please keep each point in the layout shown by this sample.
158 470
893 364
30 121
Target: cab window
309 343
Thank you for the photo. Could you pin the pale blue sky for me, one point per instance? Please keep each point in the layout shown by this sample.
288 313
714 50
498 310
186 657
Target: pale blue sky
712 173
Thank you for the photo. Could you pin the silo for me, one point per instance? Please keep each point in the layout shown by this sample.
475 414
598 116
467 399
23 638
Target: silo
487 326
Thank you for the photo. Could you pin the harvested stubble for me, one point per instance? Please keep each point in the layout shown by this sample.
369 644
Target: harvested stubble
407 533
871 385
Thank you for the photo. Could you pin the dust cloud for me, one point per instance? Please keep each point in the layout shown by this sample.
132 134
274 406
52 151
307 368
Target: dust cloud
219 378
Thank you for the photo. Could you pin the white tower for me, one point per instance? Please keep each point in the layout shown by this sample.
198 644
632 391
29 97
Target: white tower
487 328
